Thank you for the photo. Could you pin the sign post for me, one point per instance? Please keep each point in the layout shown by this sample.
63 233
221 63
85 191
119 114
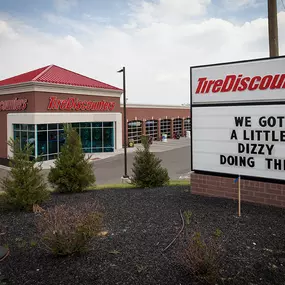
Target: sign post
239 195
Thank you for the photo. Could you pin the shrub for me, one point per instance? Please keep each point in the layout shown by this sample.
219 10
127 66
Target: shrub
147 169
24 186
202 258
66 230
72 171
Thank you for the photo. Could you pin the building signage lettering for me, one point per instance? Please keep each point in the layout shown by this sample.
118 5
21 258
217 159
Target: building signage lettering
74 104
247 139
13 105
233 83
253 142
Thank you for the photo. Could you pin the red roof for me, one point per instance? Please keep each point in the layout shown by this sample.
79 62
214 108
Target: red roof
57 75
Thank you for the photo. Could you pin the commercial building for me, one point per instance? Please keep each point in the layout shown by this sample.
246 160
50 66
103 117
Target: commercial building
35 105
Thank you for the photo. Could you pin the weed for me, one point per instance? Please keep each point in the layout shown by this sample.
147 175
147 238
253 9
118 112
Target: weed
141 268
21 243
66 230
202 258
33 243
218 233
187 216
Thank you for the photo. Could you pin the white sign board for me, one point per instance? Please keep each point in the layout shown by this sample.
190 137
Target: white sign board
240 140
238 124
262 80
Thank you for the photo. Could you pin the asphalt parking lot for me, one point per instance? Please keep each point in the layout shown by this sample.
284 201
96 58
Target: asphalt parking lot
109 167
176 160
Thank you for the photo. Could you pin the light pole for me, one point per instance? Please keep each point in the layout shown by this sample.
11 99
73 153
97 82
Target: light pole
125 123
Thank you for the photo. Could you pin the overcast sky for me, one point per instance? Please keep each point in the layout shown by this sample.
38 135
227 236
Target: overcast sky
157 40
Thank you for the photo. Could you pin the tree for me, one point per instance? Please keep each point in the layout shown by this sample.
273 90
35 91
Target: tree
72 171
24 186
147 168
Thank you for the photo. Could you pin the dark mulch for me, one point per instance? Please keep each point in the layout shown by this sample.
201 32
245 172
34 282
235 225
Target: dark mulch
141 224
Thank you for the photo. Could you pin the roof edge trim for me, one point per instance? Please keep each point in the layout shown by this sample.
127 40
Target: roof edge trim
57 88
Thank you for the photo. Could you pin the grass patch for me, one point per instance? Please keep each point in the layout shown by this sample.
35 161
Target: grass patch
131 186
113 186
179 182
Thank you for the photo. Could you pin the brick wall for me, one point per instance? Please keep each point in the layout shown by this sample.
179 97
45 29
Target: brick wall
251 191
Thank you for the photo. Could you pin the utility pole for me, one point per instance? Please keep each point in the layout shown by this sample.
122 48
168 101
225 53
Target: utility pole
273 28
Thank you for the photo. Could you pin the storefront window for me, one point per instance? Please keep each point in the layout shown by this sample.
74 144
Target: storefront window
26 135
42 142
108 135
61 139
85 134
49 139
42 127
97 125
53 142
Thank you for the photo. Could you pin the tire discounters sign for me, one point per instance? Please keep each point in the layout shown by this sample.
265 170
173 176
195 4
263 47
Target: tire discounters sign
238 118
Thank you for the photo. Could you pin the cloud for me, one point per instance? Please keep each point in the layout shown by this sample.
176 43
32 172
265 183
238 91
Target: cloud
64 5
157 50
237 4
168 11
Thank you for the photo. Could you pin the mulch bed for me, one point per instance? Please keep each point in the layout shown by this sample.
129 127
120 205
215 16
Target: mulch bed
141 223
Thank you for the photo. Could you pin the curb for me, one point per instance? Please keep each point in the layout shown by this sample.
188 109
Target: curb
5 167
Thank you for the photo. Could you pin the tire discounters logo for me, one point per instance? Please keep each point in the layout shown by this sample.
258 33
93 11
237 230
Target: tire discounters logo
74 104
233 83
254 81
14 105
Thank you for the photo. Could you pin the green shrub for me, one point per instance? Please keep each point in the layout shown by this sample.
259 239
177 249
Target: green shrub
24 186
202 259
66 230
147 169
72 171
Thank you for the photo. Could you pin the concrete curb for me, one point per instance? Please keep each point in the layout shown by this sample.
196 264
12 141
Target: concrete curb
5 167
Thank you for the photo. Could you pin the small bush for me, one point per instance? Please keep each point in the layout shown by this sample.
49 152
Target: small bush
202 258
24 186
66 230
72 171
147 169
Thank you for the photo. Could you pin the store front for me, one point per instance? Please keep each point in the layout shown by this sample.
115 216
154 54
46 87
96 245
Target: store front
98 132
48 139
